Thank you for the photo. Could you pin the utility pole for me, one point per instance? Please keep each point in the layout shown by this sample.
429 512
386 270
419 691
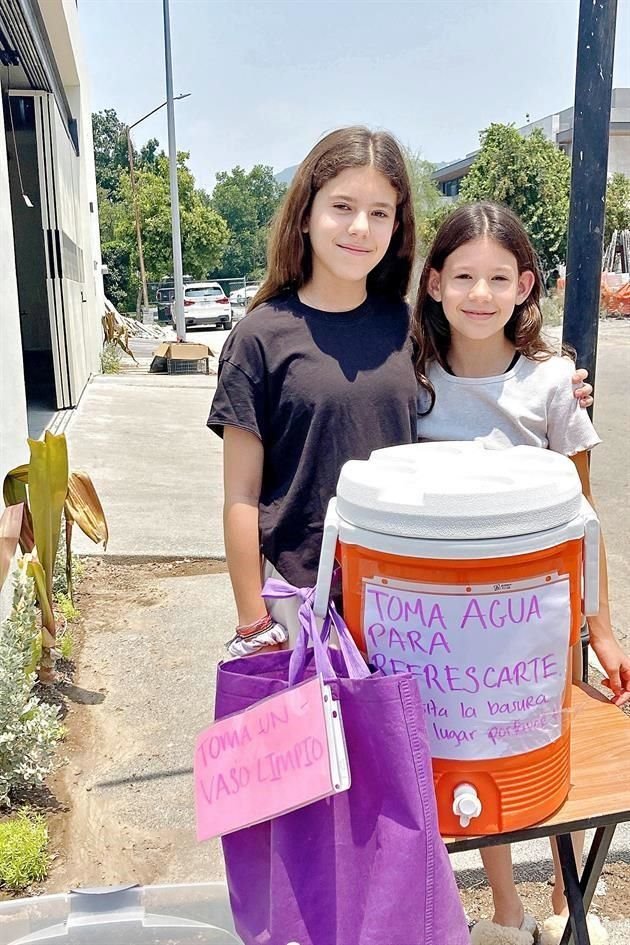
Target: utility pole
136 212
589 165
178 270
134 195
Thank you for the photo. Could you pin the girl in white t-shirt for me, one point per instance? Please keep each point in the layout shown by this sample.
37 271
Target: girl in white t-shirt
486 373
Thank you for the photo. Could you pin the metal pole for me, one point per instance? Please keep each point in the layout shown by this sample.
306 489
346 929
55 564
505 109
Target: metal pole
589 164
178 270
136 211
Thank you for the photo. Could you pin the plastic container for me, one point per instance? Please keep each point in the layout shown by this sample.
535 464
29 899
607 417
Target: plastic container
470 568
122 915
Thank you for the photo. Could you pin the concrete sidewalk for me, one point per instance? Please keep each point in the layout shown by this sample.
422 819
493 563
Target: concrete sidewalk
157 469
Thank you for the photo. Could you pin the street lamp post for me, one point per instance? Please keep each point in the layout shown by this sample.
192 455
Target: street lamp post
134 195
178 271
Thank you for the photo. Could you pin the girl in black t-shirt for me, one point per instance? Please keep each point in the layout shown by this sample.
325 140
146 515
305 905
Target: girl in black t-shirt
321 369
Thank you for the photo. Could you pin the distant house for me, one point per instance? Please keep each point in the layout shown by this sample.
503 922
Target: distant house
51 284
558 128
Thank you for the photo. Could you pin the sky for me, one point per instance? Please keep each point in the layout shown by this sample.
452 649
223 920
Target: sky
268 77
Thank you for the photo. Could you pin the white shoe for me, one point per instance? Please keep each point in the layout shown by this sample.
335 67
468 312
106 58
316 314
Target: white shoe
489 933
553 928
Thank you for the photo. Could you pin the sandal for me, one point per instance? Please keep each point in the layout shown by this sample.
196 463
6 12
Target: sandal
552 930
489 933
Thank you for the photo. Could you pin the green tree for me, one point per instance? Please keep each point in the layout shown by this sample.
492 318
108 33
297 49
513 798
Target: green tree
110 150
247 202
617 206
204 231
431 222
427 199
532 177
115 248
149 154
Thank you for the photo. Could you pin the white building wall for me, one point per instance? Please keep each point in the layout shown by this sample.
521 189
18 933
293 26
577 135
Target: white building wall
619 155
62 25
546 125
13 427
88 220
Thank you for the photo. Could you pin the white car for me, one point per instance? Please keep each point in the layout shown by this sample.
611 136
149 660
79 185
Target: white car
206 306
243 296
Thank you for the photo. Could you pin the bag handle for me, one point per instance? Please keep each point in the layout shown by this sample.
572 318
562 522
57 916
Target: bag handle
355 664
316 632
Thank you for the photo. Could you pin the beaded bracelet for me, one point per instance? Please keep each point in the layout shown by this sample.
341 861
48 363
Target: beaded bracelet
253 629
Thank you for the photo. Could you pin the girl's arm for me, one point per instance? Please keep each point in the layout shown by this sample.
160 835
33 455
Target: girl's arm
242 480
602 638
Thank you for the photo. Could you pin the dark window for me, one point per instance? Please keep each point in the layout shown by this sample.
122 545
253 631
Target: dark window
205 292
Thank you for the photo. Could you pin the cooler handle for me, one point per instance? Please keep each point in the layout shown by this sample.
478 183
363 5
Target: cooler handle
590 564
326 560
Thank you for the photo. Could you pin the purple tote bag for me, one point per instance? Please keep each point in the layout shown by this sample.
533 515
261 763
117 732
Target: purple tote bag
366 867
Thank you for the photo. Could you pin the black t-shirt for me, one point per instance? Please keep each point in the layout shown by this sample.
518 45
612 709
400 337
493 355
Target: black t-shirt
318 388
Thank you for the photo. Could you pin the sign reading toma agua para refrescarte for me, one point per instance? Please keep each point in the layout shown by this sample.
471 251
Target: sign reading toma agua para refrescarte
491 663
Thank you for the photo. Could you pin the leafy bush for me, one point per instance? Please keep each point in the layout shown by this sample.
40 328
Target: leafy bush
60 577
23 855
552 308
66 644
29 729
66 608
111 356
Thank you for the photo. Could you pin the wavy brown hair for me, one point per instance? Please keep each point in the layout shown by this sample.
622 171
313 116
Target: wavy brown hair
430 328
289 262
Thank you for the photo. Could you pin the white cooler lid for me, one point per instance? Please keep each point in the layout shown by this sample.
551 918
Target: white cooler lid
459 491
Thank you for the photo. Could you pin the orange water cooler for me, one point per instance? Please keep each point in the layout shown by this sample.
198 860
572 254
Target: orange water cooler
470 569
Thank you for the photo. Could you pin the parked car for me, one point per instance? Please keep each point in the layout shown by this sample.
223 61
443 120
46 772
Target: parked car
164 297
205 306
243 296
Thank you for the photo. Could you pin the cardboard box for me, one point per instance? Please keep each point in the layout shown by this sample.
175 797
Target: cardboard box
182 351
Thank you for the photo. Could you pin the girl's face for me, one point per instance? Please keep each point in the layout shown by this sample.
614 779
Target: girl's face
479 286
351 223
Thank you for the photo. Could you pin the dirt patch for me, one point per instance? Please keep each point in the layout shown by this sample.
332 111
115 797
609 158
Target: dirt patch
611 899
92 840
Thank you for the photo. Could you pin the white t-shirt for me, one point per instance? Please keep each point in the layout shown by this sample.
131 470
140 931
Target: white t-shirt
532 404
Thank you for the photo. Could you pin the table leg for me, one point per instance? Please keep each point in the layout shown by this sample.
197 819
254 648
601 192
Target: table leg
598 851
576 932
595 860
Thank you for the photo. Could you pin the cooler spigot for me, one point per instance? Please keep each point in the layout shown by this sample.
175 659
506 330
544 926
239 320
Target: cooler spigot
466 803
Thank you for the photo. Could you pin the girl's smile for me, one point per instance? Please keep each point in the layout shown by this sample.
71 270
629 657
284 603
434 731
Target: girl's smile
355 250
478 315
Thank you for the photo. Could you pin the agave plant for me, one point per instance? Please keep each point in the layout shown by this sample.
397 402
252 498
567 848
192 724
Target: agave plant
49 494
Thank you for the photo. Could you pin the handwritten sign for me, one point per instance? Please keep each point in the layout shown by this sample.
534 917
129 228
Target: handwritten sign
491 661
268 760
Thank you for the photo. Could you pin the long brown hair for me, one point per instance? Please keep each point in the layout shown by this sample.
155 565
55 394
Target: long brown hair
289 262
430 328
